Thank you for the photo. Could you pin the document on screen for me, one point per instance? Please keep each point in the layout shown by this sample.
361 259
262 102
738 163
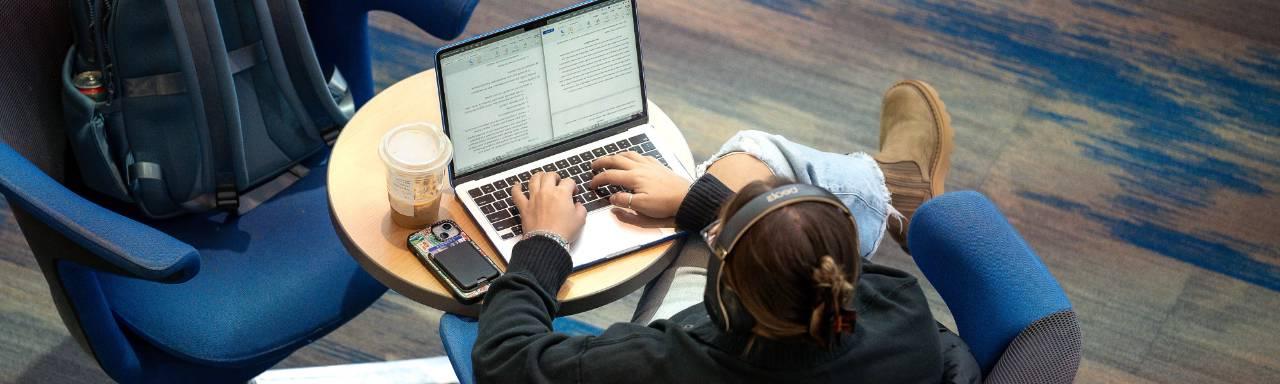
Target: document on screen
593 71
498 101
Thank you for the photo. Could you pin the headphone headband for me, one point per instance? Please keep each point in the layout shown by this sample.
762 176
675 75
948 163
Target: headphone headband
723 306
759 206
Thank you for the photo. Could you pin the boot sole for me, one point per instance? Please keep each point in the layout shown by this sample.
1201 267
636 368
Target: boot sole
941 164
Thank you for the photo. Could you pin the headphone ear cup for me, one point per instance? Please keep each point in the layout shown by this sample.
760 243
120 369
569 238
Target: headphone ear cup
711 295
722 303
740 320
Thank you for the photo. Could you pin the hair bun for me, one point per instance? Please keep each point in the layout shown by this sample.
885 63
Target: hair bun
830 317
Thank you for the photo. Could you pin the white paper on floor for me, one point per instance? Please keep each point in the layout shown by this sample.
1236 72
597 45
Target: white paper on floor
430 370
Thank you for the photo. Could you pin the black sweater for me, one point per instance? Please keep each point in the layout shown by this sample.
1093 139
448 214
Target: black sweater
895 339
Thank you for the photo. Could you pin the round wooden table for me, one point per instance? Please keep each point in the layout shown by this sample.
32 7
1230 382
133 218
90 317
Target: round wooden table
361 214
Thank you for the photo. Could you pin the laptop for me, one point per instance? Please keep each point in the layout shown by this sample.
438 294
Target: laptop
550 94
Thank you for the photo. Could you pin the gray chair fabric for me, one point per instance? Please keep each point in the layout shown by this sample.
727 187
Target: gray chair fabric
36 35
1048 352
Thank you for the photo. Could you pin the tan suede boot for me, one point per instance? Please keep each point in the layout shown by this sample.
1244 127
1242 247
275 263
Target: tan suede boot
916 140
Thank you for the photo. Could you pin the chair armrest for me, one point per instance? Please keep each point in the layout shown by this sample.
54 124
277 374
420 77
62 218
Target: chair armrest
444 19
992 281
458 333
127 246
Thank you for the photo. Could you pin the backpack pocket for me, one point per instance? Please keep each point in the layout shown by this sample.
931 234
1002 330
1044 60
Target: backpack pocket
87 132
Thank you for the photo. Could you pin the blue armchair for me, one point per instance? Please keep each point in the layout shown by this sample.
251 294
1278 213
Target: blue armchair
340 30
1010 310
200 298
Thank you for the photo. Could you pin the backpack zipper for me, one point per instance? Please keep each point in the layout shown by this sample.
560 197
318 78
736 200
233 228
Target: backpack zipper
104 47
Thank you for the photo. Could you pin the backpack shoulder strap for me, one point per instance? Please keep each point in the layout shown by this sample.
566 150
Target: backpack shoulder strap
303 68
205 42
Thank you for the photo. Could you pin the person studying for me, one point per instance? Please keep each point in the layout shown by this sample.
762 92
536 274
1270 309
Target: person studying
549 96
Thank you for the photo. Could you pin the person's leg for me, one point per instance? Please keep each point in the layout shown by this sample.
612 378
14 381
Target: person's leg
916 140
854 178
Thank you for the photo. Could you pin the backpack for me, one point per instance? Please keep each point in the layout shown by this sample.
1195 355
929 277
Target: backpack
202 105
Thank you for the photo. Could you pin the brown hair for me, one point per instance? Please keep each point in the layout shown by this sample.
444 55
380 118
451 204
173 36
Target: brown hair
795 268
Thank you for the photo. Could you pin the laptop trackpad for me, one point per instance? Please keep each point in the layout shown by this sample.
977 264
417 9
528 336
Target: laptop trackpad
605 236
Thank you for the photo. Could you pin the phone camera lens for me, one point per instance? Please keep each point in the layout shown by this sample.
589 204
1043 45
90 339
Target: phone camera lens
446 226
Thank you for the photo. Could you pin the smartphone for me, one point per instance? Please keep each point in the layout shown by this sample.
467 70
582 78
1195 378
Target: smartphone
455 260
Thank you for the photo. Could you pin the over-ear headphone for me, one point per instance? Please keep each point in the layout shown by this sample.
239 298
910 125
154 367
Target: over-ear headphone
722 303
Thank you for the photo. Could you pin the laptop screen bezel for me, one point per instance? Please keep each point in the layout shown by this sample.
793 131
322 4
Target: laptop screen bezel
527 25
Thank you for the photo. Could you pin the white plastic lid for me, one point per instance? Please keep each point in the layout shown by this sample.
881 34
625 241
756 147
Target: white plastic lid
416 147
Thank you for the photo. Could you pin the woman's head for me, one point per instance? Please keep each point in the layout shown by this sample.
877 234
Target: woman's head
795 267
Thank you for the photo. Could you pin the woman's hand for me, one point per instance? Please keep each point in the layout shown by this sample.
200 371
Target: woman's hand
656 191
549 206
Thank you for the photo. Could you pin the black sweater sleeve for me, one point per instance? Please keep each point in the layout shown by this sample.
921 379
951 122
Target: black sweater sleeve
544 260
702 204
515 339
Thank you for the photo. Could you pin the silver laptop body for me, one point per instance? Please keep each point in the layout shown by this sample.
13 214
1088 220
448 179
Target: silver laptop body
550 94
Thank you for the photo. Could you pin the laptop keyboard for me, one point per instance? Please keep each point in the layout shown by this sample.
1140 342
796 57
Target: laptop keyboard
495 202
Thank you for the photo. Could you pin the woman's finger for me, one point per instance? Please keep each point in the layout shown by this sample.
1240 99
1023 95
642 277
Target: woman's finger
624 199
613 162
535 183
568 185
549 181
552 186
642 158
517 197
625 179
633 155
653 160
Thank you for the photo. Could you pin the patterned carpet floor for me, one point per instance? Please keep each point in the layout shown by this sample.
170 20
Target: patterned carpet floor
1136 145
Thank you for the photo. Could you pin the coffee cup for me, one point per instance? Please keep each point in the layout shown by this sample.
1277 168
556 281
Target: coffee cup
416 157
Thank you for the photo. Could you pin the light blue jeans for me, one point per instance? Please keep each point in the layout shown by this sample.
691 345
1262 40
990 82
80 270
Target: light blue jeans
854 178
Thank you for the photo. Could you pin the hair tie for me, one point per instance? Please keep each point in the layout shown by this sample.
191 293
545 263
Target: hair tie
831 318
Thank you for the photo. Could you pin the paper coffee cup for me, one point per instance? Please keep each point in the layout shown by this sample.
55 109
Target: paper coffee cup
416 156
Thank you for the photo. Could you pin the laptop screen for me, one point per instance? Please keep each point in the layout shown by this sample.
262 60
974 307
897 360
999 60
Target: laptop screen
529 88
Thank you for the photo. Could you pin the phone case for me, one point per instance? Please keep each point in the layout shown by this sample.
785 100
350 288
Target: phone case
425 244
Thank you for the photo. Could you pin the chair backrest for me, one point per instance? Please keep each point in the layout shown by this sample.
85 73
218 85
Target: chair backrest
36 36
